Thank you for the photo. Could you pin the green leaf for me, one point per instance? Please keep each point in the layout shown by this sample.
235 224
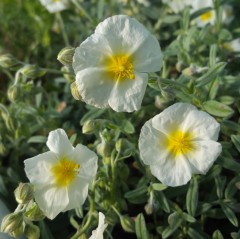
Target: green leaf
140 227
128 127
217 235
37 139
211 74
229 163
159 186
188 218
194 234
163 202
229 214
137 196
45 232
220 184
217 109
231 188
192 197
236 141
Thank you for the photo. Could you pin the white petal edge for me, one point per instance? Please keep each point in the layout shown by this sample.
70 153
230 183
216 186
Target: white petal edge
127 95
51 200
174 172
203 157
172 117
38 168
95 86
58 142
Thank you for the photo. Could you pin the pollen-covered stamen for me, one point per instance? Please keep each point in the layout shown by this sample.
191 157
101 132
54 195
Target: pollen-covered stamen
121 66
206 16
180 142
65 171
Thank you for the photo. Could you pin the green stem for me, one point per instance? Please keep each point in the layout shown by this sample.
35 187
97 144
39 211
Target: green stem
53 71
80 8
62 26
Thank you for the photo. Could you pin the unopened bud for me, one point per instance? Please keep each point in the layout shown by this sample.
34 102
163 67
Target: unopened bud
32 231
24 193
11 222
65 56
18 232
8 61
75 92
34 213
104 149
90 126
68 73
189 71
13 92
180 66
32 71
127 224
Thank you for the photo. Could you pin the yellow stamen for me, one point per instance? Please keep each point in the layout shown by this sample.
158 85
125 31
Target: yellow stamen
65 171
206 16
120 67
180 143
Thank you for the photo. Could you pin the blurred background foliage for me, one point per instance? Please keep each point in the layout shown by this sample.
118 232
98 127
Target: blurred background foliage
35 98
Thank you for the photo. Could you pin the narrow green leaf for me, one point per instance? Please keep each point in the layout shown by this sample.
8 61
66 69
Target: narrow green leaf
192 197
211 74
140 227
194 234
217 235
236 141
188 218
37 139
230 214
163 202
217 109
159 186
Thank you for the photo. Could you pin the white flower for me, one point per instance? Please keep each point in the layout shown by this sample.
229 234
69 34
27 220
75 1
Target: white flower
54 5
61 176
3 212
233 45
98 233
111 65
208 17
177 5
179 142
227 16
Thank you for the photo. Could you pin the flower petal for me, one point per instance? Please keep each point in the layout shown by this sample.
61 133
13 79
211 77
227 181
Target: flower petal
152 150
172 117
173 172
123 33
127 95
77 193
95 86
87 160
202 125
51 200
204 156
91 53
148 57
38 168
58 142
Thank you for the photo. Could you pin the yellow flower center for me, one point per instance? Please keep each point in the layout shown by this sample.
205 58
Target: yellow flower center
65 171
180 143
120 67
206 16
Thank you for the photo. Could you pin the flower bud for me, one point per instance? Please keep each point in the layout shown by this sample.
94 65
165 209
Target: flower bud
65 56
90 126
180 66
32 71
189 71
74 91
24 193
32 231
68 73
104 149
13 92
11 222
127 224
34 213
18 232
8 61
